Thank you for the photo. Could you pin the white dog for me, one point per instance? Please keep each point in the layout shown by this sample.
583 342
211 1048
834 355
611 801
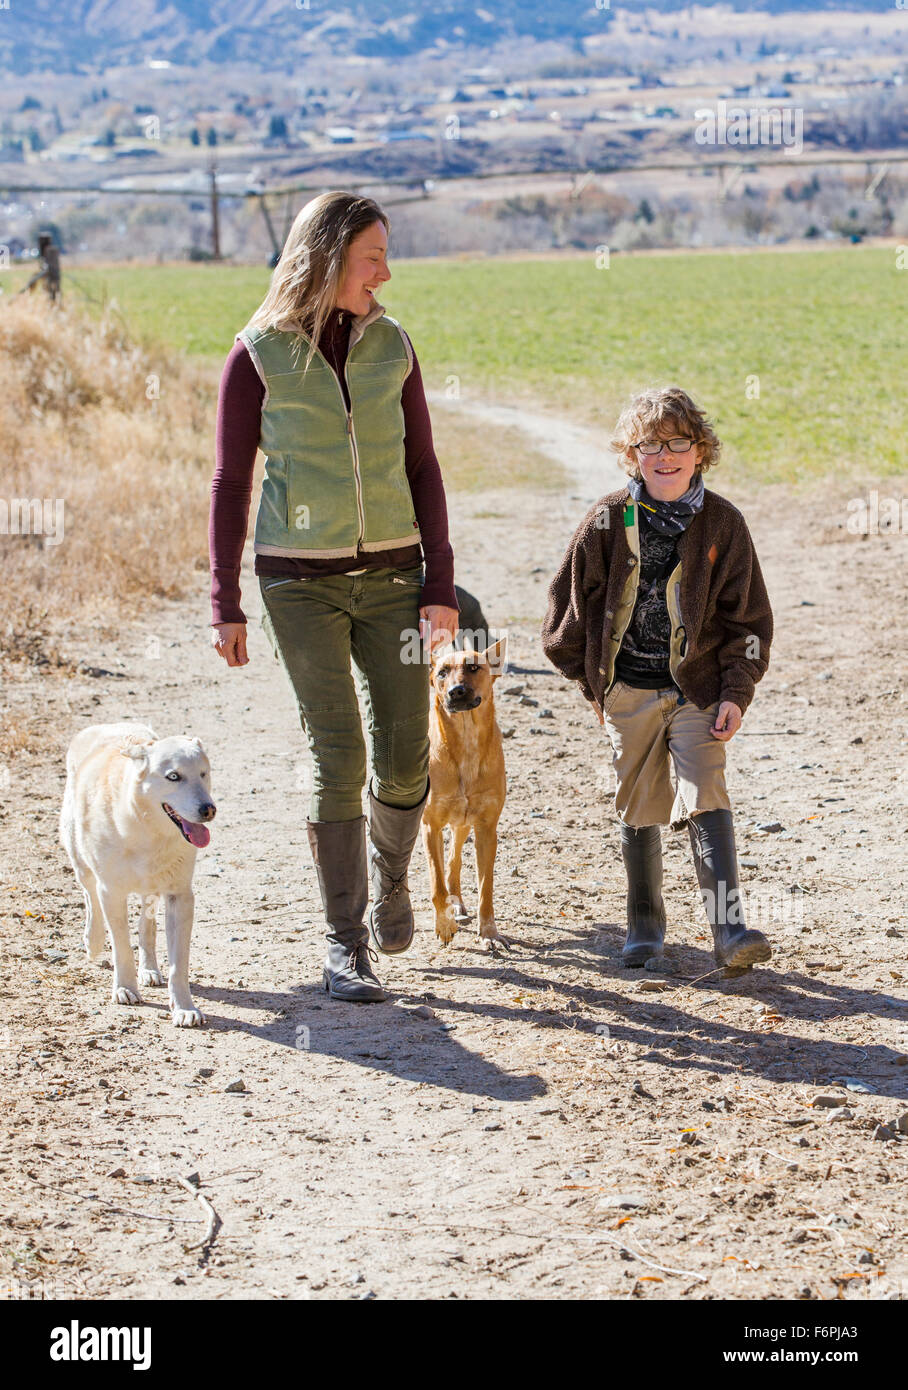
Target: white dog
133 817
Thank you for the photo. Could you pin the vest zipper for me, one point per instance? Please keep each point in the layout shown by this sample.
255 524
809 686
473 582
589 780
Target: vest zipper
352 440
356 472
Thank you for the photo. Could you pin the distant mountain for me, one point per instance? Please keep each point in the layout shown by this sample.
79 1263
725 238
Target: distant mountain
70 35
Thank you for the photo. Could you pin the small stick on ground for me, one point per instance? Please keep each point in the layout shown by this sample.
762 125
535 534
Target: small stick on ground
666 1269
109 1206
214 1221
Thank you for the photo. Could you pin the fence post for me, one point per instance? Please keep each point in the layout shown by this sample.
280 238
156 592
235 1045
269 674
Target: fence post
215 214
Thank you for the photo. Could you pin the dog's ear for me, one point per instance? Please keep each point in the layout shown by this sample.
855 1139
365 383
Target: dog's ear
497 657
438 653
138 752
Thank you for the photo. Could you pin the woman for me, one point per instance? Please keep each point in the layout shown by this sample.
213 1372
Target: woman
329 387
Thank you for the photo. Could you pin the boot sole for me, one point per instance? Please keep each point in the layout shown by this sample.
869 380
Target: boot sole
640 955
375 998
752 953
397 950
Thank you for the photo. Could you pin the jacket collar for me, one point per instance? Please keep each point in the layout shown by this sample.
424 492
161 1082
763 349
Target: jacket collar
360 322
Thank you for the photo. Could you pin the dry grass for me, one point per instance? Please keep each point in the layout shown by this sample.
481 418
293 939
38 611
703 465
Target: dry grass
121 436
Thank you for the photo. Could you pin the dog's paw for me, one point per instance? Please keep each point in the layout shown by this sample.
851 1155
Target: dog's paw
151 977
187 1018
94 948
445 927
121 995
491 939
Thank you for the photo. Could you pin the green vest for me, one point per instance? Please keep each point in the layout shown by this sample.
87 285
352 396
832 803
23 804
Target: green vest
334 482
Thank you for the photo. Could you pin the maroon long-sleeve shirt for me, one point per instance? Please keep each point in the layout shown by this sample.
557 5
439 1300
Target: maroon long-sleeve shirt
238 428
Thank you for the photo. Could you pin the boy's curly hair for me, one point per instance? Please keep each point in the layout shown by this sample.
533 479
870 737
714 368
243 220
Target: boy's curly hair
661 412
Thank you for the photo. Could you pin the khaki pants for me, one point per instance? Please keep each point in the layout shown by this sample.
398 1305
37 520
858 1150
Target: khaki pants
667 764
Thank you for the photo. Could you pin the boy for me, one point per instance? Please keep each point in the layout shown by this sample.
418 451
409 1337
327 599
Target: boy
659 611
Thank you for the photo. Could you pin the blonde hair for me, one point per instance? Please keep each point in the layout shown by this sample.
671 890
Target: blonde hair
308 276
656 412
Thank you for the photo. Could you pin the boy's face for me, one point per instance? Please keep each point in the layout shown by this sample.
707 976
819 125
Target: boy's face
667 475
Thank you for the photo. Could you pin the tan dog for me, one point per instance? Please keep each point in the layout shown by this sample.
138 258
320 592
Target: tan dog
467 784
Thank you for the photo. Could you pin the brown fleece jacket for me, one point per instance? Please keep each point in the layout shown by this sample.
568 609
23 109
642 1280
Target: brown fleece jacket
724 605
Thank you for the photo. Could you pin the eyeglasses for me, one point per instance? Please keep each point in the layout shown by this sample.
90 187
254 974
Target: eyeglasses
654 446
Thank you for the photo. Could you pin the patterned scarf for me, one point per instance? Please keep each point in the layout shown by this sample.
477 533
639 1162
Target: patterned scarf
671 518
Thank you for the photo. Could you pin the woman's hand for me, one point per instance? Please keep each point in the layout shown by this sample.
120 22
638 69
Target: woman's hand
229 641
728 721
438 624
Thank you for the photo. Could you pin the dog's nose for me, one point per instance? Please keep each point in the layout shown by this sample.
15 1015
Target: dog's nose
458 692
208 811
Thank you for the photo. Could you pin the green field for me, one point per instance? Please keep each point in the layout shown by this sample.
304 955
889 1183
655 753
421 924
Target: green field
822 331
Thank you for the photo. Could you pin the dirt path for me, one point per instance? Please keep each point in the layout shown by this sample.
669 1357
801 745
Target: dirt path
579 450
551 1128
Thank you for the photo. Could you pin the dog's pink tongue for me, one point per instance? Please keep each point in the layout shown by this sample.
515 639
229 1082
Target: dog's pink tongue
199 835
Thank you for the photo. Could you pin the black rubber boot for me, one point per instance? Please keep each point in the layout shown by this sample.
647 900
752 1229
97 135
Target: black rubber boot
339 853
641 850
712 839
392 835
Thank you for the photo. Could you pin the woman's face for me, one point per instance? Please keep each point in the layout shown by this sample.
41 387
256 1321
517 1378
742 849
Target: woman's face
367 268
667 475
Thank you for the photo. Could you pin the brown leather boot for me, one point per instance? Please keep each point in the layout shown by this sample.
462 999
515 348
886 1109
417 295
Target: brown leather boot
392 834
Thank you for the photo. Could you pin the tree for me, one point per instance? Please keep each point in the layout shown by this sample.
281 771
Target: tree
211 136
194 137
277 128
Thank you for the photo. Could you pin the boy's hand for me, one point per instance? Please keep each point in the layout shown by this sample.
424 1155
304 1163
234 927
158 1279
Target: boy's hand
728 721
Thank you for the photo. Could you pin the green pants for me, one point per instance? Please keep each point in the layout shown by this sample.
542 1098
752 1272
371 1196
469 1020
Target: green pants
315 627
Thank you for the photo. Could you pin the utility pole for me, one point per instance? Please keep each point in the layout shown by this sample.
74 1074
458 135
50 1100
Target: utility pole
215 222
